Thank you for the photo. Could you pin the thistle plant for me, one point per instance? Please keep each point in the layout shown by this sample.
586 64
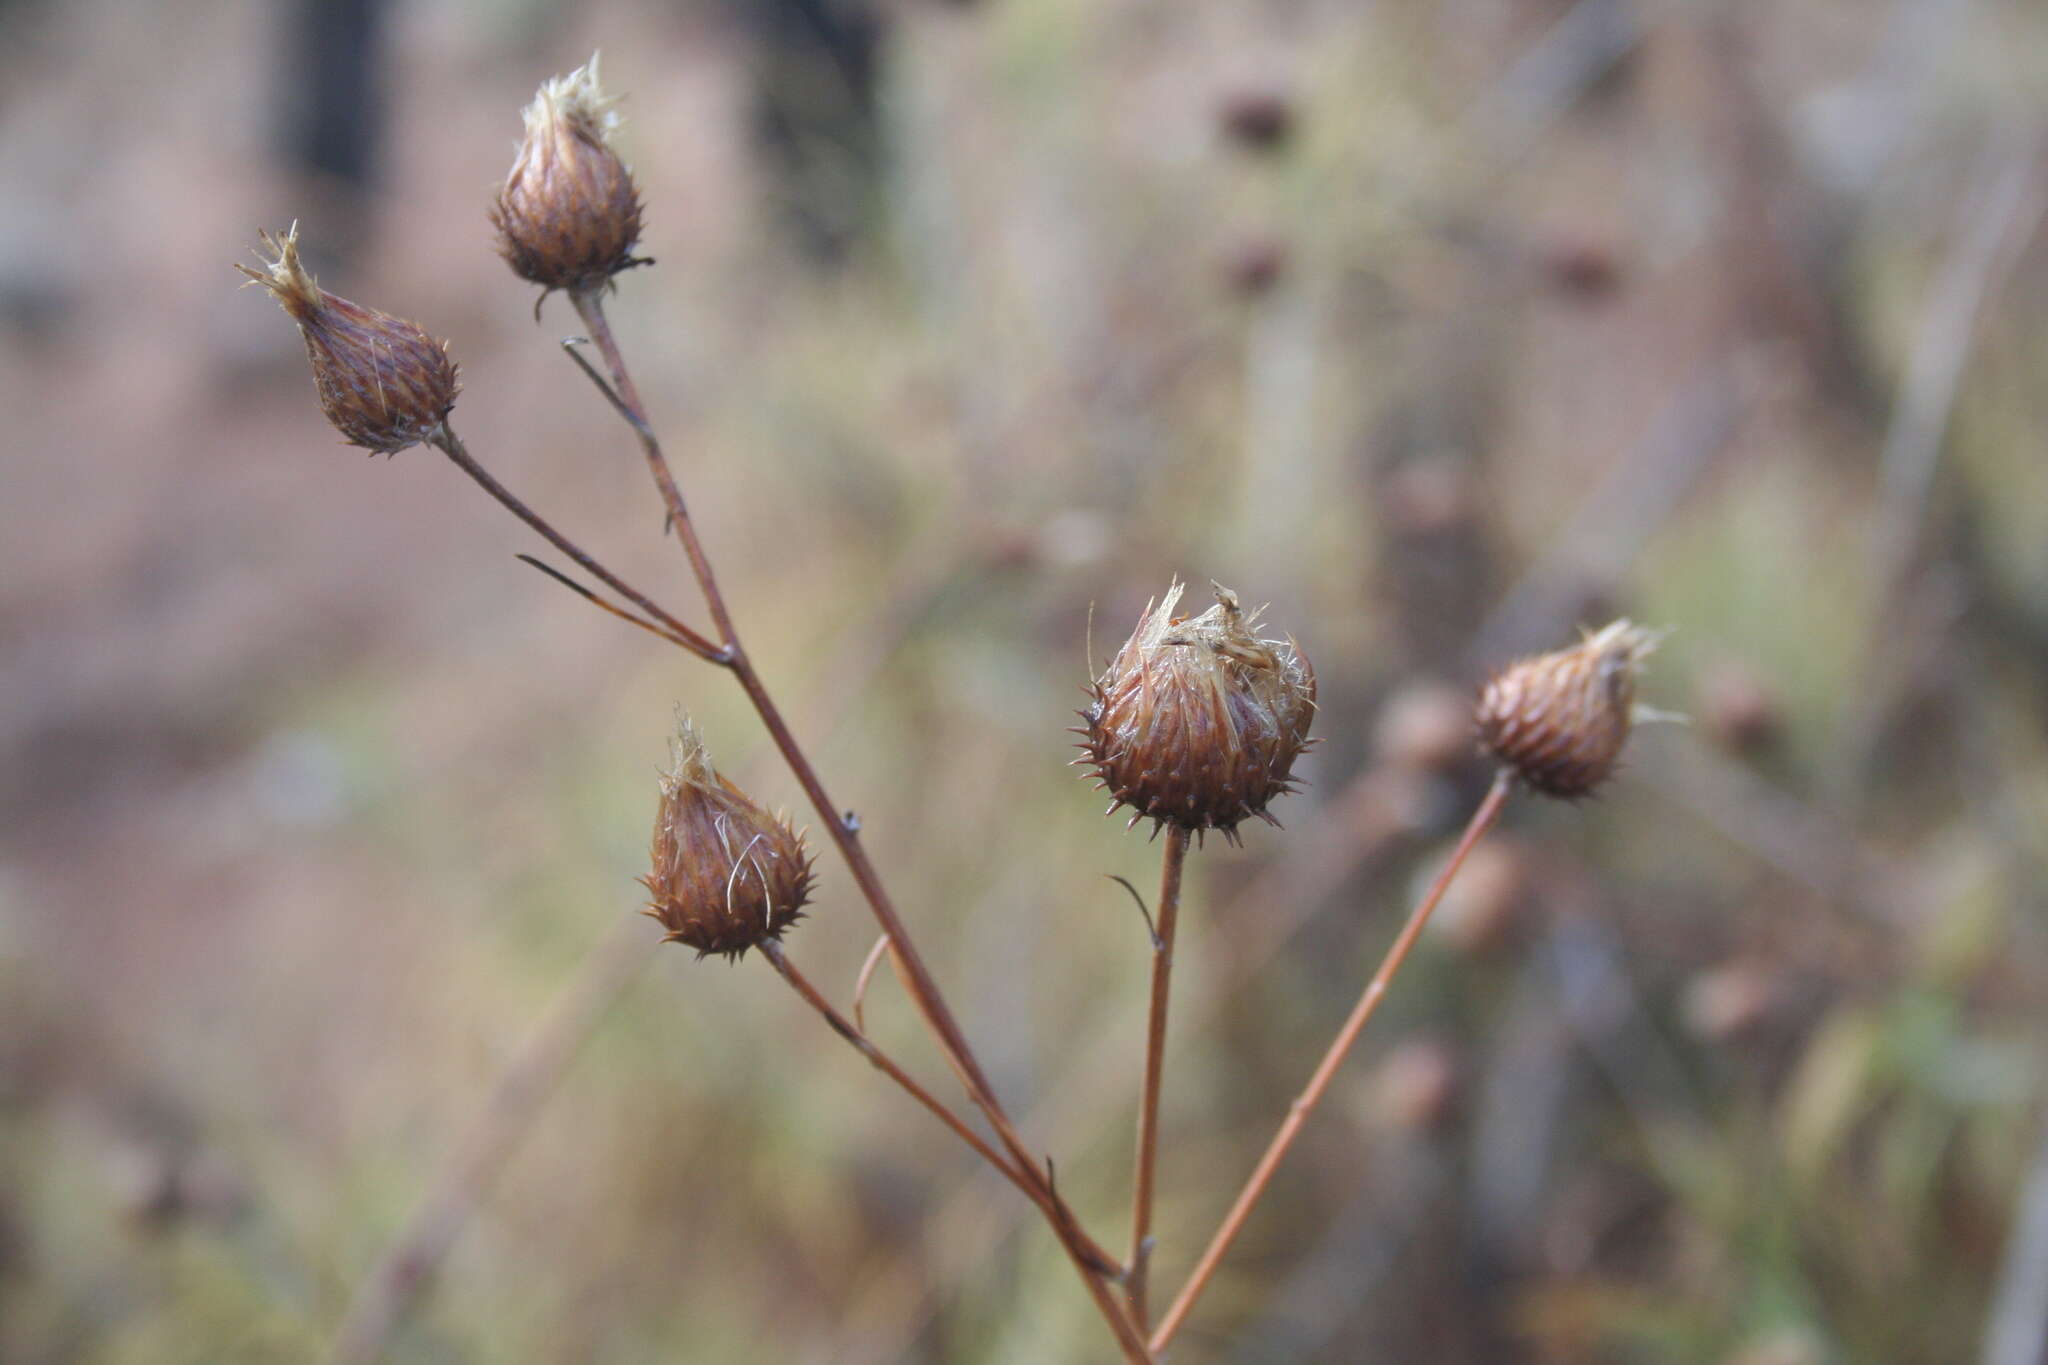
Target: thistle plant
1195 724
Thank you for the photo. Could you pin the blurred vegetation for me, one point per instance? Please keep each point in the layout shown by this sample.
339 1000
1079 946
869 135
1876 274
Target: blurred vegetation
1442 328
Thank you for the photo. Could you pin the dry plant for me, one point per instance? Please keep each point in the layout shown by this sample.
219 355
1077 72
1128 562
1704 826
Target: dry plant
1194 725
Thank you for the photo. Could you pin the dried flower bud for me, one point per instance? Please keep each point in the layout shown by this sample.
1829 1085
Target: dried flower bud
569 214
1560 719
727 874
384 383
1198 722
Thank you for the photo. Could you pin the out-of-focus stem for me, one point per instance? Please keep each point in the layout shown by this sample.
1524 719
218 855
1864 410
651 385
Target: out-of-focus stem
1171 863
409 1263
1326 1070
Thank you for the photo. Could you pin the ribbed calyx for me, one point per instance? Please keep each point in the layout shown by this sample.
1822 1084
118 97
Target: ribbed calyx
1197 723
1560 719
383 382
569 214
727 875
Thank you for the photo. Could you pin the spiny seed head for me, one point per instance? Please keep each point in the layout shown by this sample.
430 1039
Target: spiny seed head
1197 723
1560 719
727 875
383 382
569 214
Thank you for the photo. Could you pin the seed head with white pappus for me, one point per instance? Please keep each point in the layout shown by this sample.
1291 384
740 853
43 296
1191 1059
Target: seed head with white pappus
1197 723
383 382
569 213
1559 720
727 875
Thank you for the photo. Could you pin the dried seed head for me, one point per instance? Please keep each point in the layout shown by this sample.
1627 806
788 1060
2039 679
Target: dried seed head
1560 719
727 874
383 382
1198 722
569 214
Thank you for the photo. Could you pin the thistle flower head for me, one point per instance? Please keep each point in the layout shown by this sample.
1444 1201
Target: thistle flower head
1559 720
1197 723
383 382
568 214
727 875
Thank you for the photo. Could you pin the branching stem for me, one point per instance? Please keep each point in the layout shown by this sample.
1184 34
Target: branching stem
917 978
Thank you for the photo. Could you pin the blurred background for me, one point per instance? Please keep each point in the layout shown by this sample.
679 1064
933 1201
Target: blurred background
1442 326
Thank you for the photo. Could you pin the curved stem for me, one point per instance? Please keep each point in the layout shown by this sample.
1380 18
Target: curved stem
1155 1065
1326 1070
449 444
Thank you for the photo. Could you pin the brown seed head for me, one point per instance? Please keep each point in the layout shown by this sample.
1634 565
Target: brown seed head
727 874
569 214
383 382
1560 719
1198 722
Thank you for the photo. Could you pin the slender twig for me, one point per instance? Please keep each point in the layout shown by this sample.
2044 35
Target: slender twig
1142 1185
587 595
1326 1070
448 443
917 978
867 974
522 1088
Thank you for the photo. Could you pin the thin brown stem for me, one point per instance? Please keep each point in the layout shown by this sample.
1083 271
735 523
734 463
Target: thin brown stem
844 829
611 608
449 444
1326 1070
867 974
1142 1186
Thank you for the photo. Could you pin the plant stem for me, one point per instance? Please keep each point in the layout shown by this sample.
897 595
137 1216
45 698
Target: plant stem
1326 1070
917 978
449 444
1142 1185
